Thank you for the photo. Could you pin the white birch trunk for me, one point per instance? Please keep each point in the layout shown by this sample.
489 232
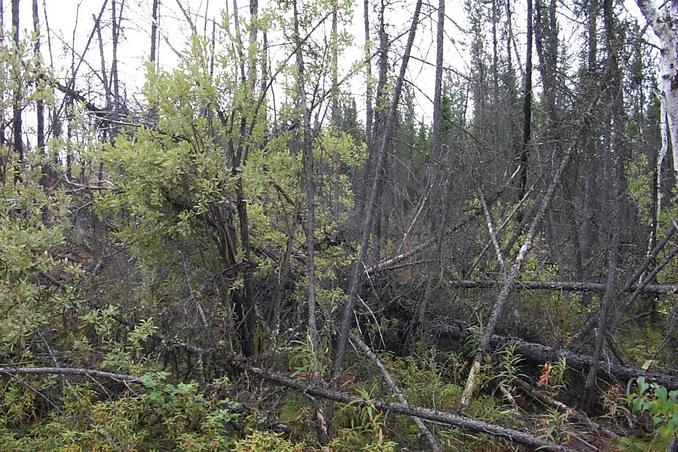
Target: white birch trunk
664 23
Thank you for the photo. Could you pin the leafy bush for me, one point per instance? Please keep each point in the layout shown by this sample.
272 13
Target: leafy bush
660 404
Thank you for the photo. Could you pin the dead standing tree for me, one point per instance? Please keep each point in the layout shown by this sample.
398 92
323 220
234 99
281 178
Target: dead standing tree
17 126
309 186
370 208
617 154
527 107
433 170
40 103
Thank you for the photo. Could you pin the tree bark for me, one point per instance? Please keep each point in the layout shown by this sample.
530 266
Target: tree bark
640 287
334 44
369 113
423 413
665 26
433 169
3 138
544 353
567 286
394 388
13 371
246 304
115 30
40 104
154 32
17 125
617 155
509 282
512 275
527 106
357 268
309 186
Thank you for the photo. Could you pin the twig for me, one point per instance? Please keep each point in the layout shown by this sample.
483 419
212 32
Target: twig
491 231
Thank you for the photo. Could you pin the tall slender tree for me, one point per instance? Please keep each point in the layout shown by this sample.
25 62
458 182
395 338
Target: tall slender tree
359 263
527 106
40 103
617 153
17 120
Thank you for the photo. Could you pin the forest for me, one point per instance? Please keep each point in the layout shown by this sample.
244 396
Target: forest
337 225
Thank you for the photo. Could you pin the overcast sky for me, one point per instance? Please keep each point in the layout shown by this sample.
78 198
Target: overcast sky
71 23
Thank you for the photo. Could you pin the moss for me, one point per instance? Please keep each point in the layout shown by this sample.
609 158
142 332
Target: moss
296 412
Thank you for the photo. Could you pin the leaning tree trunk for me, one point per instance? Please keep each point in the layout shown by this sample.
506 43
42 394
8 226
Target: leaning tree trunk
357 270
512 275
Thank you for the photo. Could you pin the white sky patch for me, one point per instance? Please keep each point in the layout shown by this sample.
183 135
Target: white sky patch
71 23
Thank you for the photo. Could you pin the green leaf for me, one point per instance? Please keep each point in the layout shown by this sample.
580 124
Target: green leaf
642 386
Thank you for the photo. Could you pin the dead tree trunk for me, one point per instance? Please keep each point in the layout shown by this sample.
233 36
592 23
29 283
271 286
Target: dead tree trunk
40 104
527 106
394 388
244 302
105 134
567 286
309 185
423 413
366 227
3 138
512 275
115 30
369 113
617 151
17 126
632 283
310 190
544 353
436 153
380 117
334 44
154 31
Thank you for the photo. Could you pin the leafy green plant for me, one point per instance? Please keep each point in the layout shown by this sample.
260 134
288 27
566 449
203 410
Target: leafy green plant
660 404
303 358
557 380
614 401
367 432
509 366
553 424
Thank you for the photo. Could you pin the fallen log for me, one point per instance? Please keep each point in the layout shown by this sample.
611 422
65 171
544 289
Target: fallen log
565 286
13 371
544 353
576 414
453 420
